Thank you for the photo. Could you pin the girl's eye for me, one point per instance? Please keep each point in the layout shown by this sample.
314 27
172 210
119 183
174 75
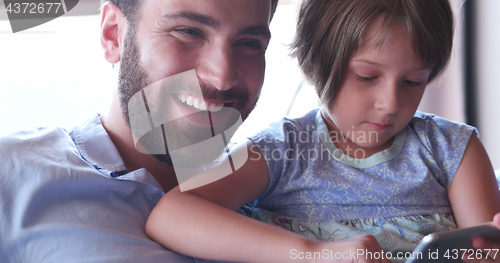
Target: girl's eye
365 79
412 83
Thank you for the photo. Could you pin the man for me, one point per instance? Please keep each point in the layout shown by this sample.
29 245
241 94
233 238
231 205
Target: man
85 195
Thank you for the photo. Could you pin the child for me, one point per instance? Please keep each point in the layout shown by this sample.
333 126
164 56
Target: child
364 163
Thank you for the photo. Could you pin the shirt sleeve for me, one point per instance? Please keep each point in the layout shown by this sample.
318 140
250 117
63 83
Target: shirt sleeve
271 144
445 139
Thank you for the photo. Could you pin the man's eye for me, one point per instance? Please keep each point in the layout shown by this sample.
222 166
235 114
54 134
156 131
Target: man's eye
188 31
253 44
365 79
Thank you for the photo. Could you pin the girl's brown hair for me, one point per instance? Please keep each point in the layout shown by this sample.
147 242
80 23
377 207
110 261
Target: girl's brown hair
329 31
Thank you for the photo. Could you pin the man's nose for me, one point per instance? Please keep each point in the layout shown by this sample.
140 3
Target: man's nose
388 98
218 68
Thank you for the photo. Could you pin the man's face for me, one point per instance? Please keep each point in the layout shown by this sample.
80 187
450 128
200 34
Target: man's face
224 41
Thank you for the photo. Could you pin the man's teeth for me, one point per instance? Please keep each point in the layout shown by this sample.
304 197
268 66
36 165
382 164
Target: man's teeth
215 108
200 104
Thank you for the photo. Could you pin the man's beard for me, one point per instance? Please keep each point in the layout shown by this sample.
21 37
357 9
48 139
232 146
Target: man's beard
133 77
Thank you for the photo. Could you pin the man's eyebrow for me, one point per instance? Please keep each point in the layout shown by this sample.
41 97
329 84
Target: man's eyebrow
256 31
192 16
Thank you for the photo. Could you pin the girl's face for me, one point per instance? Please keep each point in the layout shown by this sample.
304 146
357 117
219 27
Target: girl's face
380 93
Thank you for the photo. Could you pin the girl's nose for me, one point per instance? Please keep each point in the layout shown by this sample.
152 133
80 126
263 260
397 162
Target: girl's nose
388 99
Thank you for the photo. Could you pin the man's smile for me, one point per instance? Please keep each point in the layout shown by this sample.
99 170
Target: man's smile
218 114
200 103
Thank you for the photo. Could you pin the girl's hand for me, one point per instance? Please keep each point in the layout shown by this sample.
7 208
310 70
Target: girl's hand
481 243
359 249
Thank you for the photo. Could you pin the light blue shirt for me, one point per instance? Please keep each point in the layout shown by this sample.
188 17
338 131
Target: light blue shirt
67 197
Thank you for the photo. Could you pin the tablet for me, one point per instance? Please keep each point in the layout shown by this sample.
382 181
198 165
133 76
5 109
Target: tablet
450 246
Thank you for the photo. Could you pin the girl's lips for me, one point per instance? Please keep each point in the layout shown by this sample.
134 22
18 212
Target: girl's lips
379 126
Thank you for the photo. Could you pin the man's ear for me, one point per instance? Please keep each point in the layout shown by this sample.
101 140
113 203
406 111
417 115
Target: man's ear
113 28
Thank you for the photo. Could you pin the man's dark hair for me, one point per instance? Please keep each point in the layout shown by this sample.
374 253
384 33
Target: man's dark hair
130 8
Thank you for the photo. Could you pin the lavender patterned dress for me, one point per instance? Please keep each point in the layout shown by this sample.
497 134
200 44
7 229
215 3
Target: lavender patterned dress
399 195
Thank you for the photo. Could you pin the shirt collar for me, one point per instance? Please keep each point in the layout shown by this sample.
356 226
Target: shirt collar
375 159
98 150
96 146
